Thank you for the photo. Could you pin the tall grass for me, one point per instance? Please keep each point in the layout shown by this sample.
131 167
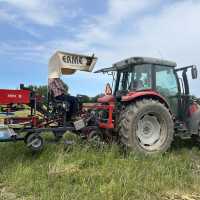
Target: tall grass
86 171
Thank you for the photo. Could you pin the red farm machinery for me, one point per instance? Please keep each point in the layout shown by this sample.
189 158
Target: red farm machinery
149 104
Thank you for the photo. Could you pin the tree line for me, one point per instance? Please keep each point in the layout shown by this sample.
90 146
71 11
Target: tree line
43 91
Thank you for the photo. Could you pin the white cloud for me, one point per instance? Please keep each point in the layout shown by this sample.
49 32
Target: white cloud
6 17
170 33
101 29
42 12
14 20
119 10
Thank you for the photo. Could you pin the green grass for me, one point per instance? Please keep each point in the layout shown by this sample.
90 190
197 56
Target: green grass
86 172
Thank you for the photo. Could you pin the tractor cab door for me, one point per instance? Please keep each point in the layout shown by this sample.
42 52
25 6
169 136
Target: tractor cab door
167 85
122 81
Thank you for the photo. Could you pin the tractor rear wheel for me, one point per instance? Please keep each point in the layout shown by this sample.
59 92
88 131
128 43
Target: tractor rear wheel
146 127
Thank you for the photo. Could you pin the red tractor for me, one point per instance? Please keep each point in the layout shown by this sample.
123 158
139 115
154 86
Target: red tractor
150 104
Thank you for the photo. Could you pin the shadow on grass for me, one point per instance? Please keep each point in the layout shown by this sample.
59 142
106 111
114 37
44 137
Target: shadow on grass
179 144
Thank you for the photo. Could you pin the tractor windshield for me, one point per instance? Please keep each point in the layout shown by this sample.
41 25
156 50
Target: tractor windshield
134 78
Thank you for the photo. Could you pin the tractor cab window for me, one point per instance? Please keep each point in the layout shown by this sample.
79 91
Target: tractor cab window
166 82
124 80
166 85
141 78
134 78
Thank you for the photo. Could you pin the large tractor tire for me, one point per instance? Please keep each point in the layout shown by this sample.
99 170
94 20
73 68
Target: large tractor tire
146 126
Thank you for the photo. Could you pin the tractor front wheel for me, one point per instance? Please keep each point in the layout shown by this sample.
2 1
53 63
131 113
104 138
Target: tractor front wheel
146 126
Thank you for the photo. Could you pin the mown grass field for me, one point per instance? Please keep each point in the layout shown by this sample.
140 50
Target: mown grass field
87 171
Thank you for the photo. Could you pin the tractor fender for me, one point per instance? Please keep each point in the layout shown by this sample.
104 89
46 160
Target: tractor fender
132 96
106 99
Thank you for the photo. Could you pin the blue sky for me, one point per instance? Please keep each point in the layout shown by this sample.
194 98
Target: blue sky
32 30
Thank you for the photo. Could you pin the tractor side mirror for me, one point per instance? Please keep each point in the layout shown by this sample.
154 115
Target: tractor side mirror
194 72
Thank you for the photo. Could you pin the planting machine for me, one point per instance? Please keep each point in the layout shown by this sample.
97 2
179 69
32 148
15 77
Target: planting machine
148 105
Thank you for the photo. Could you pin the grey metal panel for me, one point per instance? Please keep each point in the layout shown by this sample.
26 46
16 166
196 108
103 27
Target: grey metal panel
144 60
137 61
108 69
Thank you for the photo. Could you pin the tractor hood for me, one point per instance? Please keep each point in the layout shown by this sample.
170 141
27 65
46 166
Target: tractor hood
62 63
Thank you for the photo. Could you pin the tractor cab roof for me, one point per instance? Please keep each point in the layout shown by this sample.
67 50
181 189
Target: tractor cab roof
137 61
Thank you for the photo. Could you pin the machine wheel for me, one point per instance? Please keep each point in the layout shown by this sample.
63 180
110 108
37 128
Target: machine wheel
146 127
94 136
34 142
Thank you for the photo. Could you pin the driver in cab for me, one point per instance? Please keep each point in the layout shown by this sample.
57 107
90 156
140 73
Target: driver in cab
140 83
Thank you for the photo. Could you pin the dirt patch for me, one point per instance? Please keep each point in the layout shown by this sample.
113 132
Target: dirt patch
69 169
5 194
178 196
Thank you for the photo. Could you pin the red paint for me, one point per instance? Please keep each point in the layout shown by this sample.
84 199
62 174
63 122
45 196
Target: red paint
106 125
109 124
106 99
193 108
150 93
104 107
129 97
34 121
14 97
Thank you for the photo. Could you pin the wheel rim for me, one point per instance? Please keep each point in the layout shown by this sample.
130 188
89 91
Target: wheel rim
149 132
35 142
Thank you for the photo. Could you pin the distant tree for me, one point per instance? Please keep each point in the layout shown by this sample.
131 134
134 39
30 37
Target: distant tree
84 98
95 98
41 90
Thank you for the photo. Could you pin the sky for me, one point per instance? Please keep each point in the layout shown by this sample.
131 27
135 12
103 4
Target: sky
32 30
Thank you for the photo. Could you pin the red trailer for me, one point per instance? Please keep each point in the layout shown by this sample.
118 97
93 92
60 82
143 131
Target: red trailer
9 97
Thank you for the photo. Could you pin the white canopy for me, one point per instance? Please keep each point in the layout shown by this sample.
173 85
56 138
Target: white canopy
67 63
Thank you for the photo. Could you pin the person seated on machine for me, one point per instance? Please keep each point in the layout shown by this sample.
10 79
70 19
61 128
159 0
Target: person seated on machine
59 90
